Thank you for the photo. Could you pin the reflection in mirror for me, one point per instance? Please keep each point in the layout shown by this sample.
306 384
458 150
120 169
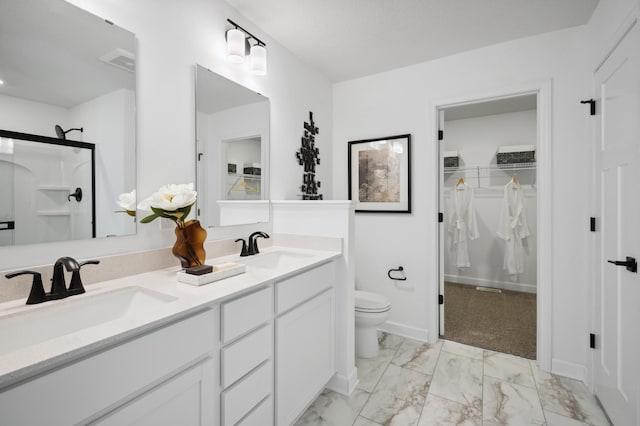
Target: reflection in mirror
67 114
232 133
48 184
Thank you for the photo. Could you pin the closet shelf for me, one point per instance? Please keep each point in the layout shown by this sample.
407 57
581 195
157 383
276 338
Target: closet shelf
244 176
501 167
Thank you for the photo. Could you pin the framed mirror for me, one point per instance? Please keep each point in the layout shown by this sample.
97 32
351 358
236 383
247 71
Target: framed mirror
67 123
232 146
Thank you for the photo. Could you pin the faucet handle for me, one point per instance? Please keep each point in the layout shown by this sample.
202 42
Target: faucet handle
37 294
243 252
75 286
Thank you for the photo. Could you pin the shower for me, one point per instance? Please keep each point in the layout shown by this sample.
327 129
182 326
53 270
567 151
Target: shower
62 134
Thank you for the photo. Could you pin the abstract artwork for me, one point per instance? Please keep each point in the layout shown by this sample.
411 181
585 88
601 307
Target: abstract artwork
379 174
309 156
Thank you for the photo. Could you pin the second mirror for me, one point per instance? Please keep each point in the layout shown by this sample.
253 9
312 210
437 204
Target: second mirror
232 146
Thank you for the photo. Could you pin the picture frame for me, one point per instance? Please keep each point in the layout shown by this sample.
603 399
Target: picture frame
380 174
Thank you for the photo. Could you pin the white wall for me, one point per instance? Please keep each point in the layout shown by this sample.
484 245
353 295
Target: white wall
106 122
402 101
477 140
172 37
21 115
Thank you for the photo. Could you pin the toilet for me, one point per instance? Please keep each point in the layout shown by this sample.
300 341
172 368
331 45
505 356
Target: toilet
371 310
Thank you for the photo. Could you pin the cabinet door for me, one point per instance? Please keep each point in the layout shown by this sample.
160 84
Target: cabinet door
305 355
184 400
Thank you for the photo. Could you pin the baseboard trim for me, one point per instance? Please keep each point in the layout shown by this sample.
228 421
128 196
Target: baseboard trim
504 285
568 369
343 384
406 331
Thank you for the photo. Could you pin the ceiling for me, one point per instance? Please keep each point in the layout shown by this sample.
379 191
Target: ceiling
347 39
51 53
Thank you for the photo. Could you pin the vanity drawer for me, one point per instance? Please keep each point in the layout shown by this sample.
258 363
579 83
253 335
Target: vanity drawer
246 313
246 354
242 397
295 290
262 415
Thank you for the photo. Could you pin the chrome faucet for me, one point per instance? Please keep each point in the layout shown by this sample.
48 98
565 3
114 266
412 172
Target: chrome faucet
253 242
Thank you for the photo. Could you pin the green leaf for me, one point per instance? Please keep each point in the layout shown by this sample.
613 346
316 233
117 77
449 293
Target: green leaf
149 218
162 213
186 210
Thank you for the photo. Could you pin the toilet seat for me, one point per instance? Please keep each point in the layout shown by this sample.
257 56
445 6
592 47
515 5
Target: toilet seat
370 302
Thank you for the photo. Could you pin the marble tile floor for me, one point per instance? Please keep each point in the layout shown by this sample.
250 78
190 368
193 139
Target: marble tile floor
447 383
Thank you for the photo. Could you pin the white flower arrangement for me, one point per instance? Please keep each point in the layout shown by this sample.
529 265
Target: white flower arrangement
127 201
171 202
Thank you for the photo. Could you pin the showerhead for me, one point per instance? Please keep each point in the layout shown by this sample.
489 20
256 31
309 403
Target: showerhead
62 134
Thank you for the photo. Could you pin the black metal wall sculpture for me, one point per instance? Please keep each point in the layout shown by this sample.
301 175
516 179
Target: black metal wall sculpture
308 156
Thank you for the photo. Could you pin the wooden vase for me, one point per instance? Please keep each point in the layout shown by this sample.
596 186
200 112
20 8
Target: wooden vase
189 246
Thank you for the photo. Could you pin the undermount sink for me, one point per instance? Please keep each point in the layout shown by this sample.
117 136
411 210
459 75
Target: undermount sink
276 259
43 323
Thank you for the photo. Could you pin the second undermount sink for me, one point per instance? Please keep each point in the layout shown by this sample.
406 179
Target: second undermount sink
48 322
276 259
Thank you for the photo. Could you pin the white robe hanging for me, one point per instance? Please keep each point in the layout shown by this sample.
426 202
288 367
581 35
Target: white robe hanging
462 224
513 228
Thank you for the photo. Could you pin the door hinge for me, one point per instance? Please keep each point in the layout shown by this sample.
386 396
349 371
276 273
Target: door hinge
592 225
440 135
592 105
440 217
198 212
440 299
592 341
200 156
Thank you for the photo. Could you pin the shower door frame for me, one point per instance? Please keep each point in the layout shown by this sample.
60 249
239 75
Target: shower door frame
543 177
64 142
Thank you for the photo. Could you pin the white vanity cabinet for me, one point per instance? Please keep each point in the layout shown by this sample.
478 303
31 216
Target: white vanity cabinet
163 377
305 340
246 360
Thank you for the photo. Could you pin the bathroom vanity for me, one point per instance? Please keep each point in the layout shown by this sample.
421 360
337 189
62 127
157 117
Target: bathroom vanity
254 349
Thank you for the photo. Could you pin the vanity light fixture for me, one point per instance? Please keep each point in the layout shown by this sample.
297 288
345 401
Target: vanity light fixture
235 46
238 42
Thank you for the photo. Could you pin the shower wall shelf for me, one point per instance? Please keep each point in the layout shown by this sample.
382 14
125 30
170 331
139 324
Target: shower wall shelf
54 188
53 213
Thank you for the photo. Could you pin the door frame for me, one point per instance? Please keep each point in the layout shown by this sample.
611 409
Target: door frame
544 297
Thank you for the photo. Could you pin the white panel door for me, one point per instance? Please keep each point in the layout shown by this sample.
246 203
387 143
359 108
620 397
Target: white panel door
617 293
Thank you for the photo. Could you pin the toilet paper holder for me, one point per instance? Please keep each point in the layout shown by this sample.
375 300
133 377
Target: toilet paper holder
398 269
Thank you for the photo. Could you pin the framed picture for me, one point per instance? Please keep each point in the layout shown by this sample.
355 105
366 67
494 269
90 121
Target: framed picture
380 174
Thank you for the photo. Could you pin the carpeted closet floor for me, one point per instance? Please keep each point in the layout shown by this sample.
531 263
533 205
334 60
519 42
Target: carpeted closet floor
503 322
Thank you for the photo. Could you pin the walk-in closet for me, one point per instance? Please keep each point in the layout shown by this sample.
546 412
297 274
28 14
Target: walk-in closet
488 237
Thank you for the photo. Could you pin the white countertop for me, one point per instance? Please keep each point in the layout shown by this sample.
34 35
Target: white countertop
23 363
